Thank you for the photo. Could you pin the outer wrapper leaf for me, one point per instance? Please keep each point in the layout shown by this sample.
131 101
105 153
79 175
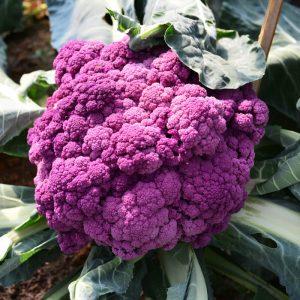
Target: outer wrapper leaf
155 283
280 87
13 195
38 85
16 205
295 189
83 20
34 224
102 274
19 109
283 170
15 113
184 274
17 146
2 54
252 282
268 233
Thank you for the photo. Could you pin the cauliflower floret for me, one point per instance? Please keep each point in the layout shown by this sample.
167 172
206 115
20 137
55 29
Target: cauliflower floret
197 123
132 148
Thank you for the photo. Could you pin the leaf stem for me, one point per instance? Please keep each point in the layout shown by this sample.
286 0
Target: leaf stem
34 224
154 31
17 235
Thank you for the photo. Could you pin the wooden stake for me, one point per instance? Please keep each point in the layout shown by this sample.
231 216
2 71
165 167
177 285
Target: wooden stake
268 30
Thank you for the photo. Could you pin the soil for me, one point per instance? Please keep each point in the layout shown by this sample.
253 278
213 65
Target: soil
30 49
17 171
45 278
42 280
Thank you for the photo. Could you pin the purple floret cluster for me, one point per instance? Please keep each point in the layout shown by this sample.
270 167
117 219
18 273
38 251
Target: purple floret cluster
133 153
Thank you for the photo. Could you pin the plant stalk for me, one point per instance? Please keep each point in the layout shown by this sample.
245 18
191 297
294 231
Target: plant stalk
16 235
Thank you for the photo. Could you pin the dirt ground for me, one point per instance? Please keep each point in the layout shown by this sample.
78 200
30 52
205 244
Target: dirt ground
29 50
42 280
17 171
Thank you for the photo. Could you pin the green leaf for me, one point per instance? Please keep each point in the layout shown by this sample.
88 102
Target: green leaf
100 277
45 243
25 270
35 223
141 37
38 85
267 233
16 205
97 256
267 148
84 20
247 279
282 136
35 220
19 111
12 217
225 68
206 273
155 283
295 189
189 29
280 87
14 238
17 146
2 54
129 8
124 22
261 294
6 245
13 195
261 172
247 17
26 239
16 113
134 290
281 171
222 33
184 274
10 14
140 6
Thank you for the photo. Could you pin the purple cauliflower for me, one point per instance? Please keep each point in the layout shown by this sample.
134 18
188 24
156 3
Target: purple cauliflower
133 153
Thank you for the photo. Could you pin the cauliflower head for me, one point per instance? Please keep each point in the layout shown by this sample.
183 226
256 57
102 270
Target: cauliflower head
133 153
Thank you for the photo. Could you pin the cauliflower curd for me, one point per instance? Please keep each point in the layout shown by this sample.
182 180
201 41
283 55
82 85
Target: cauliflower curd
133 153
